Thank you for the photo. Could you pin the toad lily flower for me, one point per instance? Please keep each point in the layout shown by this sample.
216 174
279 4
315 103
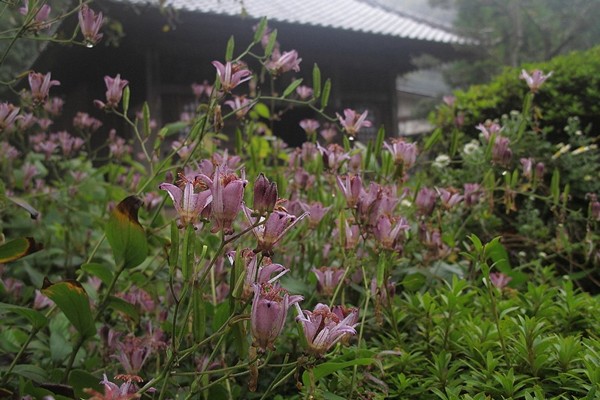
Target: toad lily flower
265 195
114 92
273 230
352 121
269 310
227 194
327 279
404 153
259 275
280 63
324 328
8 115
535 80
231 75
112 391
90 23
189 205
40 86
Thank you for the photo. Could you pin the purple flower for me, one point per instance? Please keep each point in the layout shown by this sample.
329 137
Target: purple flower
489 129
41 15
8 115
40 86
449 197
333 156
501 153
202 88
315 211
188 204
240 104
404 153
472 193
114 91
351 187
231 75
535 80
265 195
90 23
269 310
328 133
499 279
327 279
425 200
280 63
277 224
310 126
227 194
527 164
304 92
256 274
352 121
449 100
112 391
390 231
324 328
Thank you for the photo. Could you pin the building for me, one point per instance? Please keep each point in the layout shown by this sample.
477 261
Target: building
169 44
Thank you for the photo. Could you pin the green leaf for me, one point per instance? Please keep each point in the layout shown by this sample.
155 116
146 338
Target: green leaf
73 301
126 236
24 205
433 139
329 368
221 315
260 30
32 372
292 87
414 282
126 95
271 44
125 307
174 250
555 186
146 118
316 75
262 110
18 248
81 380
99 270
326 92
36 318
230 48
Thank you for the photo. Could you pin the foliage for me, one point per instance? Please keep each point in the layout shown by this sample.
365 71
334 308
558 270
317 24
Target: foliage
519 31
399 284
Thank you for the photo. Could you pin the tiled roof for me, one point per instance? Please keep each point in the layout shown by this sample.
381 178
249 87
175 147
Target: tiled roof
352 15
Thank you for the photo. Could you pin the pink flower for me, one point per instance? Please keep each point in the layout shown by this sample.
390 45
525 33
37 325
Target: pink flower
404 153
8 115
188 204
489 129
278 223
390 231
240 104
202 88
262 274
499 279
304 92
269 310
527 164
327 279
126 391
315 211
310 126
280 63
501 153
449 197
265 195
41 15
231 75
227 194
425 200
352 122
324 328
535 80
40 86
351 187
333 156
472 193
449 100
90 23
85 122
328 133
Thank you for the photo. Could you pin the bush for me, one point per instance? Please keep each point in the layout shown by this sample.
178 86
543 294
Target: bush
574 90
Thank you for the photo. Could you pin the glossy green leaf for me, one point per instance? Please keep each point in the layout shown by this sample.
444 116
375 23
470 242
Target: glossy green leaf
36 318
81 380
73 301
435 137
126 236
32 372
100 271
18 248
